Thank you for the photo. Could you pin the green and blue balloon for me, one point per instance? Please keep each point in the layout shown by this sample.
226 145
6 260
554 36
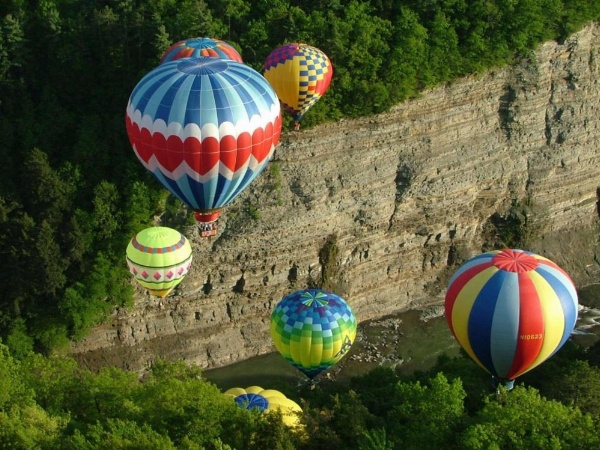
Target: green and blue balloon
313 329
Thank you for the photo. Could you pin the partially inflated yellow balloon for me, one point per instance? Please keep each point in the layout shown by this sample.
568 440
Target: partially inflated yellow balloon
267 400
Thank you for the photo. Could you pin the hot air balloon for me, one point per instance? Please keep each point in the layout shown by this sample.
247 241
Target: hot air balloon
205 128
267 400
300 74
201 46
159 258
313 329
510 310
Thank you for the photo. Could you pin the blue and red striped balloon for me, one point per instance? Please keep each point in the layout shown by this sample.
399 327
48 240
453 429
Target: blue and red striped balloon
205 128
511 310
202 46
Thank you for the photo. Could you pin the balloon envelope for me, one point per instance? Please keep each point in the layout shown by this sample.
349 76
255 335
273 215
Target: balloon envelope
202 46
510 310
267 400
300 74
313 329
204 127
159 258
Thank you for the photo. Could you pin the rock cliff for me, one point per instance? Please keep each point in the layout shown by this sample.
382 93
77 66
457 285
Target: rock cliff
382 209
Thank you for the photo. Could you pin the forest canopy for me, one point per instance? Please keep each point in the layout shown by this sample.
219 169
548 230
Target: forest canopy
50 402
71 190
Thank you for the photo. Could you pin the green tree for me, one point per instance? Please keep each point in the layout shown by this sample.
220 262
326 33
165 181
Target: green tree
48 193
351 419
480 49
234 13
522 419
13 391
375 440
444 61
265 430
573 383
29 426
377 390
109 394
117 434
475 381
174 400
54 380
358 53
107 212
48 264
12 43
404 66
426 416
19 340
17 231
139 212
576 14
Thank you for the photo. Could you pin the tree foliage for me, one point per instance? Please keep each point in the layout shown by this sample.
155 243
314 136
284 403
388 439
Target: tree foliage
50 402
522 419
72 192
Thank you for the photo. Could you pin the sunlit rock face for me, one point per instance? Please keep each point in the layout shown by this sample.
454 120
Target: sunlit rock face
382 209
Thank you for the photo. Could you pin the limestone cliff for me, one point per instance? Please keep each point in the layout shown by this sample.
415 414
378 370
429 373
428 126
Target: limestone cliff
383 208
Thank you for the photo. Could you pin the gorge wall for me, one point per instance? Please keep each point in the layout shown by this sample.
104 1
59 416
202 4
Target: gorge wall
382 209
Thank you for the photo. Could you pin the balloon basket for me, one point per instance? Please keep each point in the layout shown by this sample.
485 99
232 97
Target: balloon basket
207 223
507 384
208 229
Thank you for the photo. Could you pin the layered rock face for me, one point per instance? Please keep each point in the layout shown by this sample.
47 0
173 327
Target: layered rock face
383 209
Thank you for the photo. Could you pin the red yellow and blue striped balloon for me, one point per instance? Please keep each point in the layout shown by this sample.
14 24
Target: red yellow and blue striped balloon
313 329
205 128
201 46
300 74
511 310
159 258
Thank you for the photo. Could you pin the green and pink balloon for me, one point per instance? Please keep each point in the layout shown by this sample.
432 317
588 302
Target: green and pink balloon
159 258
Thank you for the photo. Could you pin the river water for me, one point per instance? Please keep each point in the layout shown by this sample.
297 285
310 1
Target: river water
408 341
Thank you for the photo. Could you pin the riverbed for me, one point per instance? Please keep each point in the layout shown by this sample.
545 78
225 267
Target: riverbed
408 342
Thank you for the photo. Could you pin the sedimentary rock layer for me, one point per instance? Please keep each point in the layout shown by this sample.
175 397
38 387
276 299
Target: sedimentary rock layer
383 208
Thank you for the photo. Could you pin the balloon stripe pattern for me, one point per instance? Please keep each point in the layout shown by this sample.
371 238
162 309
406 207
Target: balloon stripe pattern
313 329
204 127
300 75
511 310
204 46
159 258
